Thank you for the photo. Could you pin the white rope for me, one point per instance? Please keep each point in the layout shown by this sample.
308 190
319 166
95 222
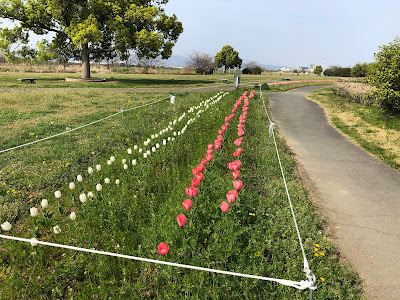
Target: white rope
305 261
301 285
73 129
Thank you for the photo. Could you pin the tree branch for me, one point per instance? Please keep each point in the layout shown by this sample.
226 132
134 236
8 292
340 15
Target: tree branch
101 50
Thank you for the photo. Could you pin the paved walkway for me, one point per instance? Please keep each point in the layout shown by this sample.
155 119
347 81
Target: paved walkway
359 194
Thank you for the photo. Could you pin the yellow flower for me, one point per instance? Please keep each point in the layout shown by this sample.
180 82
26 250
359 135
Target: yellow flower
322 279
98 137
316 254
12 172
283 235
50 169
258 253
317 245
31 133
30 200
127 139
3 183
322 253
8 192
30 196
43 162
315 249
67 164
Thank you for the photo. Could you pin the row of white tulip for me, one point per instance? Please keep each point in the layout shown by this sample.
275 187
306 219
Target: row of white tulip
194 112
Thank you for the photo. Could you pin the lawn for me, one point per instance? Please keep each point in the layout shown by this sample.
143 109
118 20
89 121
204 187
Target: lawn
256 236
367 126
116 80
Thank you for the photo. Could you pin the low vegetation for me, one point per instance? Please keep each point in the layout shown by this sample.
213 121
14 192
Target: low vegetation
256 236
366 125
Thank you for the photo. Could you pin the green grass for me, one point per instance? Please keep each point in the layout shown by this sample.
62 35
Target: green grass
375 131
114 80
256 236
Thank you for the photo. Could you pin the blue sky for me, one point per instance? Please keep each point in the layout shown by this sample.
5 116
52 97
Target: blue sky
287 32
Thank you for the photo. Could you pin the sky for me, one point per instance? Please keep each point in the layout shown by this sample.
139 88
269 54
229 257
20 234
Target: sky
287 32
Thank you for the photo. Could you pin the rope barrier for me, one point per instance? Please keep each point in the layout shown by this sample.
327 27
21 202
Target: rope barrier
307 270
73 129
301 285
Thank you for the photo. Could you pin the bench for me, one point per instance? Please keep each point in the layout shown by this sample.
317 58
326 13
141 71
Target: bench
31 80
286 79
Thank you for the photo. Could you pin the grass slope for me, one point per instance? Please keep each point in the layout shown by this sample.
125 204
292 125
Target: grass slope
367 126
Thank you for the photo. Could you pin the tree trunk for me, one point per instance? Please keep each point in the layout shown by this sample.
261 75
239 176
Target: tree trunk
85 62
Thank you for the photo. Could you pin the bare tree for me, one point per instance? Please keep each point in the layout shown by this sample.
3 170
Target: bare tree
145 61
203 63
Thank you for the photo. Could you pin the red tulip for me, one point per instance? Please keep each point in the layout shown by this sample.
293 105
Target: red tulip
200 176
210 146
220 132
209 157
236 154
218 145
240 132
235 174
226 119
201 168
210 151
224 206
224 127
240 150
181 220
163 248
191 191
187 204
195 171
238 184
232 116
195 182
204 161
234 165
231 196
238 142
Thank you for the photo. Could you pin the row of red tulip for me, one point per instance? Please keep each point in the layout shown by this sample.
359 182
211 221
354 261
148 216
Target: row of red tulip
198 171
234 166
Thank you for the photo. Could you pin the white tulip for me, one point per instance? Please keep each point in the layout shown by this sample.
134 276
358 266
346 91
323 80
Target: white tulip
90 170
161 132
33 242
125 166
79 178
72 216
57 194
57 229
164 142
169 138
135 147
140 150
6 226
145 143
153 149
90 194
82 198
117 181
173 139
112 158
98 168
157 145
124 161
44 203
34 212
148 152
134 162
179 133
152 136
109 162
174 133
106 180
145 155
129 151
71 185
156 135
99 187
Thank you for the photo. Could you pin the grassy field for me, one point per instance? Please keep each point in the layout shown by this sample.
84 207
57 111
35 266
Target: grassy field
365 125
115 80
256 236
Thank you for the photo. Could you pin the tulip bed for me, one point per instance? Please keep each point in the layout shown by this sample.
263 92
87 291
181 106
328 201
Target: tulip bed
136 201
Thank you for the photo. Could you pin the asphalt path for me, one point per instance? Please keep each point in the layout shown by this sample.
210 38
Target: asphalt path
359 194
